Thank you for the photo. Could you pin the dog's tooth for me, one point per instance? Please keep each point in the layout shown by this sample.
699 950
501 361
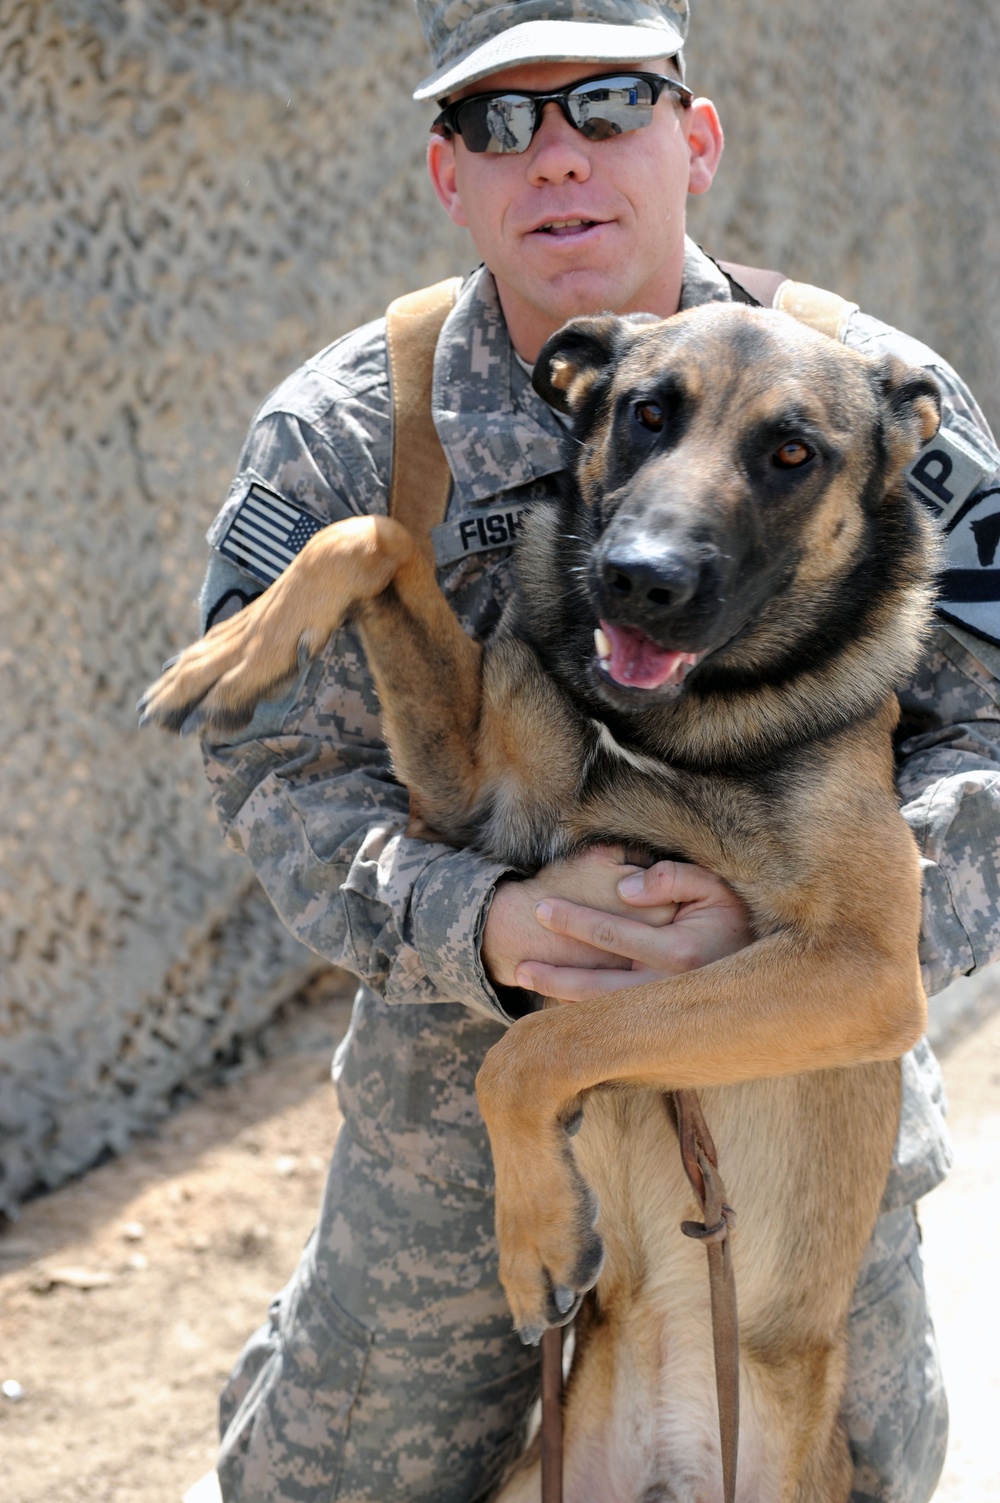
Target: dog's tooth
602 644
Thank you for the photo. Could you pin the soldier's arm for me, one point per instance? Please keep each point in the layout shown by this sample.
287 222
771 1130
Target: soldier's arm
306 791
949 766
949 741
949 746
949 776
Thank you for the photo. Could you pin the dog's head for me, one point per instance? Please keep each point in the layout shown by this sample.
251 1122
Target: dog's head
739 491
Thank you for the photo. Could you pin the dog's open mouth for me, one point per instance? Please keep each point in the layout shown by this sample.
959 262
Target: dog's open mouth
635 661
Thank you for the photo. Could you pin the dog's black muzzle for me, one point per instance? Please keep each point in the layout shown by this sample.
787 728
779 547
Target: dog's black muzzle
671 590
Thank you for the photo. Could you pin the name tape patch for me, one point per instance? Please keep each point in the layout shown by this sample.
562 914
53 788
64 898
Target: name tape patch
266 533
476 532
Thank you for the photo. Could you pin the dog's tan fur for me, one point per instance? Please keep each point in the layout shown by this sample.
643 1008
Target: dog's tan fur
792 1042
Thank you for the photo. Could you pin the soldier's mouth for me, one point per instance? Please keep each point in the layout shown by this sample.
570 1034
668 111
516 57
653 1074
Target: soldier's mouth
565 227
629 658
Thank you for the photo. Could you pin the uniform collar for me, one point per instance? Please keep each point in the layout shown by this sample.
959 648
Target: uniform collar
703 280
496 431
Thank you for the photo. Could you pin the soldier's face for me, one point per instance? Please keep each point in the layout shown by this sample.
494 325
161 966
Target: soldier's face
574 226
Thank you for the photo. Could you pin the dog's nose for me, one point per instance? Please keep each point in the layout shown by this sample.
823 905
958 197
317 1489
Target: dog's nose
664 579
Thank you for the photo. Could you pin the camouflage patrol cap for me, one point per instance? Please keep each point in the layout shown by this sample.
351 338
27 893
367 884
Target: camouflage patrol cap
469 39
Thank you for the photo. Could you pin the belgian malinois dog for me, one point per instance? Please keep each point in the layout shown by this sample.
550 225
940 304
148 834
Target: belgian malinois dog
736 529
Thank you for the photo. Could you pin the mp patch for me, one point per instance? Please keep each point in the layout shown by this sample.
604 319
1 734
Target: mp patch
969 586
951 475
947 471
476 532
266 532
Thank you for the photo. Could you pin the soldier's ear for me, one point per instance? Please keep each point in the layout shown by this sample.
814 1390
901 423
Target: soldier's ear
575 357
913 401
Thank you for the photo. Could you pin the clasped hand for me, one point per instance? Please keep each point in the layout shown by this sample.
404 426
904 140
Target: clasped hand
594 923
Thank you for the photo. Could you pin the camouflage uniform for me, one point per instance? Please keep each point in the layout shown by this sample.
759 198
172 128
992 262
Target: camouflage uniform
388 1367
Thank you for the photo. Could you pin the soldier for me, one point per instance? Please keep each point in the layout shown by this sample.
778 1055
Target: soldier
388 1367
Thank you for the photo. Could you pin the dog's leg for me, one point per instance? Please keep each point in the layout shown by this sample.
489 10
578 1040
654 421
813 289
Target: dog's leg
218 681
427 672
455 730
488 747
776 1008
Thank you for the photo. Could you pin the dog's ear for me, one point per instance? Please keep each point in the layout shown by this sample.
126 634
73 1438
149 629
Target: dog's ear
574 357
912 399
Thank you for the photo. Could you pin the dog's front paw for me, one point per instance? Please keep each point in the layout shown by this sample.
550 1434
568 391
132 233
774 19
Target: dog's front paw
550 1252
218 681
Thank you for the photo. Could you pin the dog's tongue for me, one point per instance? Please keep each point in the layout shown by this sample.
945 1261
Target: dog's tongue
637 663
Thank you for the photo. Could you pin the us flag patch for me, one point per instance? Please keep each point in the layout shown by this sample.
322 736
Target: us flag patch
266 533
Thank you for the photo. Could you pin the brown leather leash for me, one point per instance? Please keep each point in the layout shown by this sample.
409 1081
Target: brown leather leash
701 1165
552 1414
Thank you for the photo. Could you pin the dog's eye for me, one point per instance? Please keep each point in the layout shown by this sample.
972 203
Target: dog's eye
650 415
792 454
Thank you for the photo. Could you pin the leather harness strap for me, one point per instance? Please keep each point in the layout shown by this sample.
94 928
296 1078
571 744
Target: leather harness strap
418 498
421 480
754 283
826 312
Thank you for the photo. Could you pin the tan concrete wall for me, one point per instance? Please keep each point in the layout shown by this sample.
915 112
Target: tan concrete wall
863 154
195 196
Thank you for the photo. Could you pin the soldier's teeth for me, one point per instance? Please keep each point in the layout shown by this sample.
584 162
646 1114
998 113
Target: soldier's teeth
602 644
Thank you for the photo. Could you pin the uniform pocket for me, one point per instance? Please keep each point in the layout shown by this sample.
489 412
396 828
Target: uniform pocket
287 1439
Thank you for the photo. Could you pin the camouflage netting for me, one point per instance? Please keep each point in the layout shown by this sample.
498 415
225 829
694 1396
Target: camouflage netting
195 196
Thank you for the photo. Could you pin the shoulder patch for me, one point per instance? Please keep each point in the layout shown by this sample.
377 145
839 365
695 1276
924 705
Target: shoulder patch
969 586
266 532
947 471
229 604
952 475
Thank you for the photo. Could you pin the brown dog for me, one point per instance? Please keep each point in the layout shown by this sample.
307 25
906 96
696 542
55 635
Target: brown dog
738 528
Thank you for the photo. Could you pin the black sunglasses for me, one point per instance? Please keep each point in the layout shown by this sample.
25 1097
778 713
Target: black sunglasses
609 105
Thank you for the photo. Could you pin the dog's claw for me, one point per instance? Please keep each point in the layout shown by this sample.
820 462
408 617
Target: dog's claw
563 1298
193 723
531 1335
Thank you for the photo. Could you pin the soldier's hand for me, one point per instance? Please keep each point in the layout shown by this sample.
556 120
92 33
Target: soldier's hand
707 921
589 882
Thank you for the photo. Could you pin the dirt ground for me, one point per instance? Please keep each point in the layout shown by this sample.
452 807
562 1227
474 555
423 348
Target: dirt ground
125 1296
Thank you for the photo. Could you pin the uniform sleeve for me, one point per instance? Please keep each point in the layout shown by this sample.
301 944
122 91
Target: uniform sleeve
949 777
950 760
949 739
307 791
